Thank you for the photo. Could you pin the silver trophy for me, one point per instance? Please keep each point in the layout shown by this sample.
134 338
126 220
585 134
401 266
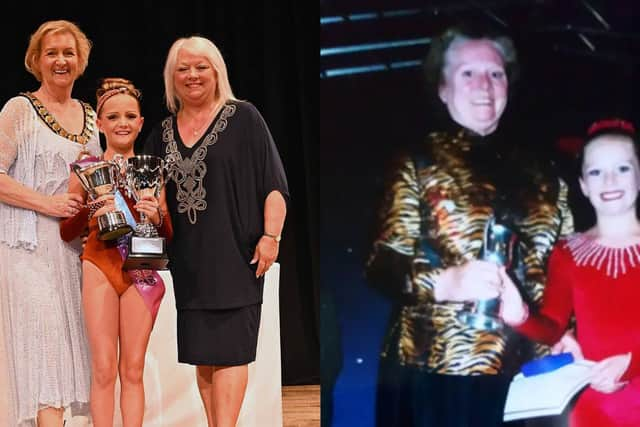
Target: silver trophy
145 176
499 244
98 179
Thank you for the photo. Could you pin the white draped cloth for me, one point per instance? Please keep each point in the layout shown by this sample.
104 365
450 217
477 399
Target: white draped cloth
45 355
171 391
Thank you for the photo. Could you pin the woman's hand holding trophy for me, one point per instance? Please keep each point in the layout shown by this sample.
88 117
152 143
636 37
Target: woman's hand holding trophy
496 257
100 181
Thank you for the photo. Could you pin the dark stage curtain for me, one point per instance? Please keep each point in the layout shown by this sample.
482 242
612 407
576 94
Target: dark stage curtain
271 53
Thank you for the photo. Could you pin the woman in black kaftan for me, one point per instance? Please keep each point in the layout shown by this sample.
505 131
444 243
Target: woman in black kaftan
226 191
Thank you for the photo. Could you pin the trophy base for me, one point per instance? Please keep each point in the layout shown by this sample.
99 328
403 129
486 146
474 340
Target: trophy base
145 262
112 233
480 321
112 225
146 253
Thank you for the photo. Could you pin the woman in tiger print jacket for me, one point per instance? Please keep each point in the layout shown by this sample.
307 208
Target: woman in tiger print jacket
435 371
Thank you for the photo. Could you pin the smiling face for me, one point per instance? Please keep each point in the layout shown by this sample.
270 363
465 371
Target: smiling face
121 122
475 85
195 78
611 175
58 60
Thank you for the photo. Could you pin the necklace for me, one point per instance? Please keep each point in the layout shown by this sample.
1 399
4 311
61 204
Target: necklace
197 130
82 138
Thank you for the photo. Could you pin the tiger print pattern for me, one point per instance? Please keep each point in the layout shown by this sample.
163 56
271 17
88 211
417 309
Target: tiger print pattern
427 334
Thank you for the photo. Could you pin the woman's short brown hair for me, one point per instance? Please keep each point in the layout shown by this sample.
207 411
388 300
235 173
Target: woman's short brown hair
435 61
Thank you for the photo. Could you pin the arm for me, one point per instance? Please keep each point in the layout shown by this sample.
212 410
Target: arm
568 342
559 226
390 265
549 322
15 194
537 278
404 262
15 131
74 226
271 186
275 210
156 211
58 205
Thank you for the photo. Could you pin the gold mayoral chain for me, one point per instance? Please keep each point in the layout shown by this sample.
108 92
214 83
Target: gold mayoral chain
82 138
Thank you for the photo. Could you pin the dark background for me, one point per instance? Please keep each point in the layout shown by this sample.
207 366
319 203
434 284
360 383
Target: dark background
579 62
270 51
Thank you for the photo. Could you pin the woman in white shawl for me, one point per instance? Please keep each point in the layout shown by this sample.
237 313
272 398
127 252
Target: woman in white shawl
41 133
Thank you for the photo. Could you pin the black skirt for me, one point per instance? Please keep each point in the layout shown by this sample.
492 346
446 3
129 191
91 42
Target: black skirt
409 397
226 337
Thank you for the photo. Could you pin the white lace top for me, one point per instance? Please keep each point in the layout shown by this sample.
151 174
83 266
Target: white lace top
34 155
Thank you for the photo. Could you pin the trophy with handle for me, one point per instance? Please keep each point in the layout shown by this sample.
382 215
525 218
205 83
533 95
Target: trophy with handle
499 244
98 179
145 176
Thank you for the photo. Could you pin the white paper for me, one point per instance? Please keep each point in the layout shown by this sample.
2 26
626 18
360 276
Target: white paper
546 394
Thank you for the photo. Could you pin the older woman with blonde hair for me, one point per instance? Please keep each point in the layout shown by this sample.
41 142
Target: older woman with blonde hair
41 133
226 196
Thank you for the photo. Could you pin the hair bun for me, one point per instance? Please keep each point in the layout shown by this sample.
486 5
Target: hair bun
609 125
110 86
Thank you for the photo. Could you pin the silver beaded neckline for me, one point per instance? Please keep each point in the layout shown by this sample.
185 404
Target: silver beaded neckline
612 261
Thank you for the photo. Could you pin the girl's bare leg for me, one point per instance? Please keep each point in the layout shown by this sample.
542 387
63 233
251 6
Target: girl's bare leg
101 312
135 328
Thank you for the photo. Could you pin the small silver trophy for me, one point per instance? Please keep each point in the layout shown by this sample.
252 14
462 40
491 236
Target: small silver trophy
498 246
145 175
98 179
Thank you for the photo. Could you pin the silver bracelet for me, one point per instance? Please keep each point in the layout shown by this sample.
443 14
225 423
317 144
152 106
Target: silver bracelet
161 215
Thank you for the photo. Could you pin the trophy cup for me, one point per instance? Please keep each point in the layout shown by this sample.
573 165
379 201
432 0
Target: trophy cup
498 246
145 175
98 179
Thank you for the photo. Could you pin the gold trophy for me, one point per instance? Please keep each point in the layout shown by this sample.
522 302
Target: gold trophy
98 179
145 175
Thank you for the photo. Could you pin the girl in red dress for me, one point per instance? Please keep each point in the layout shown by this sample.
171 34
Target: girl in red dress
595 276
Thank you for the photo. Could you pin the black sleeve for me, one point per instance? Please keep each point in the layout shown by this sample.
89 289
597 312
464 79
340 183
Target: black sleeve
271 175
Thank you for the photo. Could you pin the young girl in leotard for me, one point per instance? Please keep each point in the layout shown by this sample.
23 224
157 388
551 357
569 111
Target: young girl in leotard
120 306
